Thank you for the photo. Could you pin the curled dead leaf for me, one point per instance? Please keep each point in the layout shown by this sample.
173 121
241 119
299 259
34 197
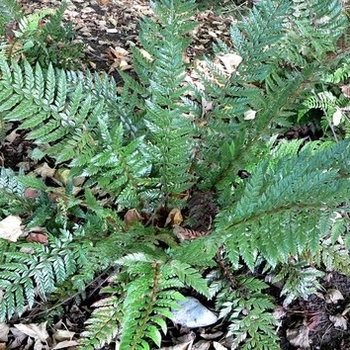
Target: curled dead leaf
37 238
187 234
131 216
174 218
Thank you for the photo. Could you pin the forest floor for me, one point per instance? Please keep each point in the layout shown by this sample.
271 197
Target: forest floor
108 29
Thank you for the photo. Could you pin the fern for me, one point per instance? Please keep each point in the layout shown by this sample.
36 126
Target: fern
299 279
24 276
248 311
275 215
9 11
149 298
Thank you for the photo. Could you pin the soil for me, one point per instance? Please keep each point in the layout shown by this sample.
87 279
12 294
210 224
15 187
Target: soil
108 29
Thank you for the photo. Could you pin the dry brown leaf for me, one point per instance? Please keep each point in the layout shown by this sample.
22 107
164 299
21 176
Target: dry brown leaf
333 296
12 136
63 334
187 234
131 216
210 336
37 238
146 55
31 193
218 346
45 171
299 337
339 321
346 310
206 106
183 346
36 331
337 116
3 346
174 218
202 345
4 331
345 89
10 228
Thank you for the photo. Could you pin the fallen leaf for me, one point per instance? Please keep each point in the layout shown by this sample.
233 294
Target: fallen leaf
31 193
10 228
210 336
183 346
206 106
103 2
339 321
346 310
65 344
313 322
249 115
63 334
202 345
187 234
19 338
4 331
299 337
174 218
45 171
12 136
337 115
218 346
345 89
36 331
131 216
333 296
231 61
37 238
146 55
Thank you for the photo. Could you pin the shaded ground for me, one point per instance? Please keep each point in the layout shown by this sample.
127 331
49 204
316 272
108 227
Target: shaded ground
108 30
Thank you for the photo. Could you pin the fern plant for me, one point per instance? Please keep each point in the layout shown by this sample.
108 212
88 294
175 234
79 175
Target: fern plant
146 146
40 36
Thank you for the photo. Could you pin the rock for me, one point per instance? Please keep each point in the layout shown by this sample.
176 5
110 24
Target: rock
193 314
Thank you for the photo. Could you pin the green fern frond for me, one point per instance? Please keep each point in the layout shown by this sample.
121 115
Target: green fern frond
278 218
257 38
9 11
300 280
248 311
150 295
313 30
99 328
25 276
168 121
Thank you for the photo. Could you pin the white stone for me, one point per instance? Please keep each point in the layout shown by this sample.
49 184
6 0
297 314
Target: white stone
193 314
